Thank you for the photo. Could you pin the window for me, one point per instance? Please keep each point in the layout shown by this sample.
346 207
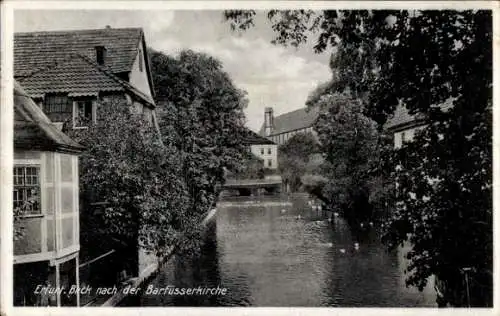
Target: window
56 103
403 137
140 61
269 163
83 113
27 189
269 151
262 151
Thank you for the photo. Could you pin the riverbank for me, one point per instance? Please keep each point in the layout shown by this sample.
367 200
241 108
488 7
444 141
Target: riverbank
127 287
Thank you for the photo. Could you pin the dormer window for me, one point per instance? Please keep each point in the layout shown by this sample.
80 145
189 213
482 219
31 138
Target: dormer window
84 113
100 54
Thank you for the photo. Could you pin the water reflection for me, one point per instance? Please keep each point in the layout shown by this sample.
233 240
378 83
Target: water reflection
266 256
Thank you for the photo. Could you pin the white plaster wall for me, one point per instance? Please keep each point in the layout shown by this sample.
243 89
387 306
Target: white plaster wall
409 135
140 79
257 151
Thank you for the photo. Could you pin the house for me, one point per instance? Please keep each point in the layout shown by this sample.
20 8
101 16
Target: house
68 73
46 190
281 128
262 148
404 125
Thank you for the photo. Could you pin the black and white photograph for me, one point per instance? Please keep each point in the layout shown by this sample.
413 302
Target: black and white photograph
226 156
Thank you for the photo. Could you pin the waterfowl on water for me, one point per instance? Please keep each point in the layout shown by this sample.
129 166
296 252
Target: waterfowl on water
356 245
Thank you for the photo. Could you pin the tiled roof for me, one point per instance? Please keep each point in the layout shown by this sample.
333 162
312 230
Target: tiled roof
298 119
402 118
78 76
252 138
37 50
33 130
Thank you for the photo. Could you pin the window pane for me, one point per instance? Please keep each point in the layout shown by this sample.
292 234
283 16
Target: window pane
67 199
67 232
83 115
18 176
66 168
26 193
56 103
49 196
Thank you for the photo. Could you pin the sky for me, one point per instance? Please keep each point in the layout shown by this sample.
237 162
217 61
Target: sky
273 76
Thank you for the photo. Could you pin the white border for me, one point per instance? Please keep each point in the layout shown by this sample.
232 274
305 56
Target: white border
6 119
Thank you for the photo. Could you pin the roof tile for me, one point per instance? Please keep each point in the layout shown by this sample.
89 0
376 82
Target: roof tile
78 76
73 75
298 119
37 50
252 138
32 128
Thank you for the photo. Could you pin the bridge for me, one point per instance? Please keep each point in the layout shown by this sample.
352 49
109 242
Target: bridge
247 187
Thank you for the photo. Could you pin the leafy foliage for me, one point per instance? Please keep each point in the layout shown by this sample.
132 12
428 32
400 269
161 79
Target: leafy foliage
351 146
201 111
422 59
138 180
252 167
294 157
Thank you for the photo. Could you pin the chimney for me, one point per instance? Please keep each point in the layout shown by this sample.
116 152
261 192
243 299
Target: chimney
268 121
100 54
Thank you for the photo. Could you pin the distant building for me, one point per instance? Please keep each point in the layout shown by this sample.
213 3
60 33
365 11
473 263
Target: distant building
281 128
46 188
263 148
404 125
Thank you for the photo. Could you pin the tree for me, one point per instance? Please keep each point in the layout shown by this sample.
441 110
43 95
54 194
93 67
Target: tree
136 179
421 59
351 147
294 157
252 167
202 111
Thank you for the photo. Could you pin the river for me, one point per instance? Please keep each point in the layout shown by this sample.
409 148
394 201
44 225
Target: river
265 255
